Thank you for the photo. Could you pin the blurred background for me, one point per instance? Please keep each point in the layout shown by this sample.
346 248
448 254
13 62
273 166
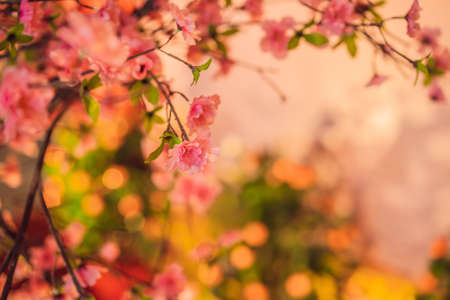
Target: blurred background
339 192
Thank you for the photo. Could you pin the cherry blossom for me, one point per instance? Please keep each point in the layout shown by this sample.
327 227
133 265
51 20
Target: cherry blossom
376 80
32 16
197 191
203 252
191 156
23 109
87 276
170 283
428 38
254 7
185 23
229 238
276 39
412 17
336 15
436 94
97 41
110 251
202 113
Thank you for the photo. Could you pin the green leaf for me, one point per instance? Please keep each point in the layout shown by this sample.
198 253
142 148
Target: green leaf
422 68
171 139
196 75
227 3
94 82
3 44
293 42
351 44
136 92
316 39
174 141
196 70
221 47
155 154
152 95
17 29
205 66
158 119
91 106
230 31
23 38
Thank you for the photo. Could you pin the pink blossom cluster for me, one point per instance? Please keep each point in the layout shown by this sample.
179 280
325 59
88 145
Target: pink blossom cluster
24 96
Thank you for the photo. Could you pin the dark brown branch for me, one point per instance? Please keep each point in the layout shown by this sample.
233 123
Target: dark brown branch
55 234
13 255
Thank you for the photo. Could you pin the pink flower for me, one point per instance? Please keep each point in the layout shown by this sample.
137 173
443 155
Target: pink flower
376 80
314 3
191 156
32 16
229 238
110 251
10 171
96 39
45 258
139 66
436 94
73 234
336 15
197 191
23 109
87 276
442 59
203 252
428 37
208 13
64 60
225 65
170 283
202 113
276 39
411 17
254 7
185 23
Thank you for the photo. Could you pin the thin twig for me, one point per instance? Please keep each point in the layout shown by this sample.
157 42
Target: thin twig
163 91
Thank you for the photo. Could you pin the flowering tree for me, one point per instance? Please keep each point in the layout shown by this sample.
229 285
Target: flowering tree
70 65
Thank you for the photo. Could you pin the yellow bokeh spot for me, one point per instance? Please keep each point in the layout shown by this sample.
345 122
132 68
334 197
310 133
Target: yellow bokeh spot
115 177
92 205
298 285
242 257
256 291
210 275
79 181
325 287
367 283
255 234
54 156
130 206
53 191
